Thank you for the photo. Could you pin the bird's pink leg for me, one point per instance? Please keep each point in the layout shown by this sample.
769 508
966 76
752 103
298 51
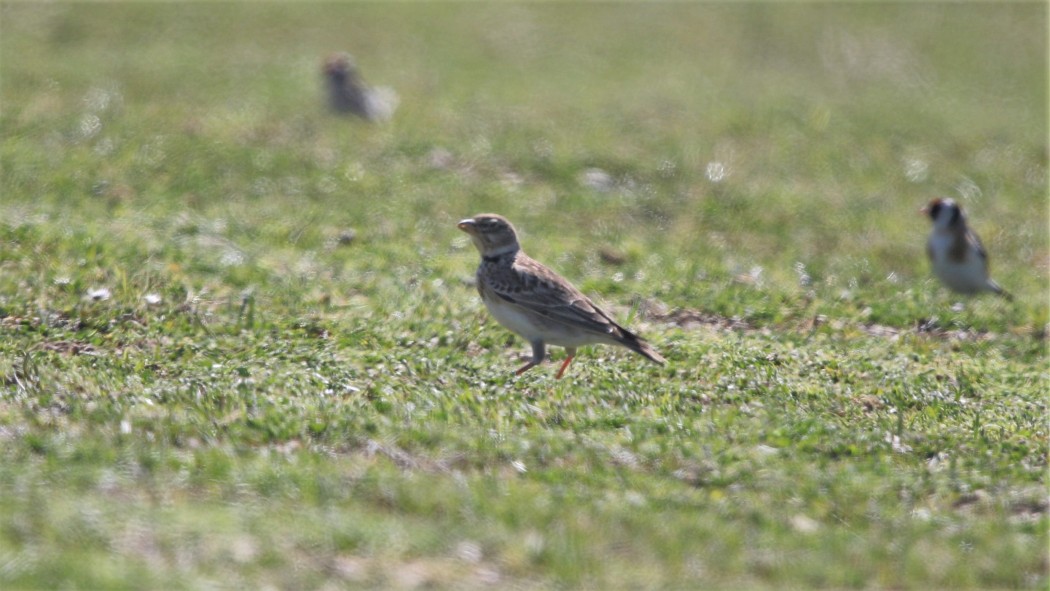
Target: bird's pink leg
568 360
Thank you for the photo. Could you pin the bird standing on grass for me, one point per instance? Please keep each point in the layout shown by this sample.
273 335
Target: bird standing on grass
537 303
956 253
347 93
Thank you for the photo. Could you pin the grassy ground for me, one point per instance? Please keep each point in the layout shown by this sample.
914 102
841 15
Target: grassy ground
239 345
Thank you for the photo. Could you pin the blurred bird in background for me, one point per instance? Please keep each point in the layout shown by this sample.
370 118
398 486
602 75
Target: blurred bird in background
956 253
347 92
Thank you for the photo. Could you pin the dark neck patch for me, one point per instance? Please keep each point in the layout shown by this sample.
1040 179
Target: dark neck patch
499 257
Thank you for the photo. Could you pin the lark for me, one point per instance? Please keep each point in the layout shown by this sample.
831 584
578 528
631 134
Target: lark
538 304
955 252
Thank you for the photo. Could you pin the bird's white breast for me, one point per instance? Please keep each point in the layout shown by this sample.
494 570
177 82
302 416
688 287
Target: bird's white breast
533 327
513 317
966 276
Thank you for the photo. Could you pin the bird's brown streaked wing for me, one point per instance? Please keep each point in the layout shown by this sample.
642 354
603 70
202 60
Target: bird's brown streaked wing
539 290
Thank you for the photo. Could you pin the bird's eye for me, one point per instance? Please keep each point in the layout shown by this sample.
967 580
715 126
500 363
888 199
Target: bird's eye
935 210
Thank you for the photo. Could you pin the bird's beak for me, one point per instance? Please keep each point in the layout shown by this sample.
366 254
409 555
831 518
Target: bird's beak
466 225
924 210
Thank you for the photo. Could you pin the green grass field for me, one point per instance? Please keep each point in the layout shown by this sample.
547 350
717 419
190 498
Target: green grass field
240 347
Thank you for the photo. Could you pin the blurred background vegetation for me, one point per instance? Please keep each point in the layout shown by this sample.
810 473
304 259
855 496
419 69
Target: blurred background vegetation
238 329
737 138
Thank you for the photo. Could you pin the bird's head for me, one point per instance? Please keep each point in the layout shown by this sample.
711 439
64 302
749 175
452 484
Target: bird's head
944 212
492 234
339 66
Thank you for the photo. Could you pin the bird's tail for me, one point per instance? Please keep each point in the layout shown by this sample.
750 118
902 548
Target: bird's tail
998 289
640 346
